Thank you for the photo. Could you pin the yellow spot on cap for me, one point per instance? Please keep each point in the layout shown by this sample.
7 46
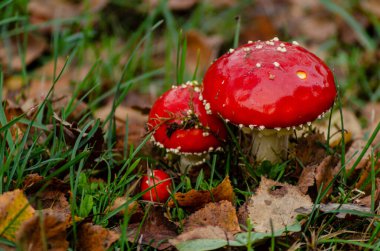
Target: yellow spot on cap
302 75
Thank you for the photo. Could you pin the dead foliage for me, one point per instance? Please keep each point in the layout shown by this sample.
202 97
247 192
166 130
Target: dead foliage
155 230
273 205
196 199
95 238
220 214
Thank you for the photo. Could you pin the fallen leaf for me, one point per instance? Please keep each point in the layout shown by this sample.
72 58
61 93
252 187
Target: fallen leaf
307 178
42 11
309 149
275 208
364 183
155 230
197 199
341 210
371 6
177 5
202 46
53 196
221 214
134 209
14 211
351 126
95 238
10 57
352 155
372 113
367 200
201 238
45 231
324 175
124 116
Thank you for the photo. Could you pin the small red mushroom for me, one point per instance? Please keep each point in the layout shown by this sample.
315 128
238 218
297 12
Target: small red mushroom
269 87
181 124
158 182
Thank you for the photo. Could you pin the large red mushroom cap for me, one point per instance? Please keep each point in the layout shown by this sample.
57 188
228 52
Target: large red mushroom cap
181 124
269 84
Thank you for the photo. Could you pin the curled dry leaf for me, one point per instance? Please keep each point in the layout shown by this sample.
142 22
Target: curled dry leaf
364 182
95 238
155 231
351 126
45 230
196 199
220 214
276 207
339 209
307 178
14 211
10 57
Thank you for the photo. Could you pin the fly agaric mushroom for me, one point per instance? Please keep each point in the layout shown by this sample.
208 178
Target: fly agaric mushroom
158 182
181 124
272 88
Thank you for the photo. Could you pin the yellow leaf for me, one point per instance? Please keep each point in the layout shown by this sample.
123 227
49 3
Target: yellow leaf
14 211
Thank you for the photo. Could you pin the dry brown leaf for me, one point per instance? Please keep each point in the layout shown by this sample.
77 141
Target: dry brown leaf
197 199
10 58
307 178
309 150
134 209
371 6
367 200
95 238
136 124
178 5
221 3
205 46
54 195
45 231
257 27
14 211
363 183
210 232
275 207
324 174
372 113
156 230
42 11
350 122
352 155
220 214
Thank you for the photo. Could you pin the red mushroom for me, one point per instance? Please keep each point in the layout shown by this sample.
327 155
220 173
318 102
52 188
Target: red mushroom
181 124
270 87
158 182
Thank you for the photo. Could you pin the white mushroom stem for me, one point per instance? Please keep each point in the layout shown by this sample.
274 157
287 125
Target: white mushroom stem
186 162
270 144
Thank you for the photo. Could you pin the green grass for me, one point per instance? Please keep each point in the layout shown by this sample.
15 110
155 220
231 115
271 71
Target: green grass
130 66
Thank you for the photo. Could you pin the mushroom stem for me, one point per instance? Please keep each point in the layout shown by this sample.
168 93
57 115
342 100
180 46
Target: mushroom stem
270 144
186 162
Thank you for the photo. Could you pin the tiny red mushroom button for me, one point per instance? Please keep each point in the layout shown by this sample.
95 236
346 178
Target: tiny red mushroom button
158 182
271 84
181 123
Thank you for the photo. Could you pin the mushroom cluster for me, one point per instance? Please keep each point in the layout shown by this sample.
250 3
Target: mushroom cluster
269 87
